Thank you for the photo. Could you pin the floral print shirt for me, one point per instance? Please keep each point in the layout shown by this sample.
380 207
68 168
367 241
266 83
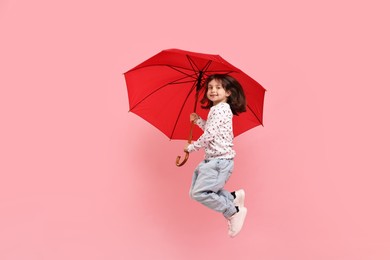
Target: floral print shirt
217 139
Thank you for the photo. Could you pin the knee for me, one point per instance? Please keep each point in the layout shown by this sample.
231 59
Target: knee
194 195
199 196
191 194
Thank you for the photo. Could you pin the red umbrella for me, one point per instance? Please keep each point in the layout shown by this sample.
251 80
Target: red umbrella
164 91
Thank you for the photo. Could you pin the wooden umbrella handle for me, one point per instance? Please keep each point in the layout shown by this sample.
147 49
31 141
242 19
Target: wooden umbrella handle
178 163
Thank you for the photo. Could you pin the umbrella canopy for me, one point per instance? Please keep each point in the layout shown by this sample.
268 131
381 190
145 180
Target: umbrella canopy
163 89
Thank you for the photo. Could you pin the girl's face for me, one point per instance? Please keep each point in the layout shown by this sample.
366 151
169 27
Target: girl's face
216 93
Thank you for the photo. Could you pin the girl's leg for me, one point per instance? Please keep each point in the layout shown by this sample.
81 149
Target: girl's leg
195 177
208 186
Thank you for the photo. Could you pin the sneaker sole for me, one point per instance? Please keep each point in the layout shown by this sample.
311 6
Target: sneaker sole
233 234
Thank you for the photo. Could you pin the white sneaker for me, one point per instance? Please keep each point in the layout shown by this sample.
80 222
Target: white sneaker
240 197
236 222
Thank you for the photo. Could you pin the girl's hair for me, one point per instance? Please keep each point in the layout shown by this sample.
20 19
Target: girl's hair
236 100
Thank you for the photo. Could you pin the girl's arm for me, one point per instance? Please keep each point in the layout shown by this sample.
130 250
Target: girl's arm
203 141
210 130
201 123
198 120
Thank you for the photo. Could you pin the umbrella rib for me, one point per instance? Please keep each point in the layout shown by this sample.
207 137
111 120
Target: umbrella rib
181 69
163 86
189 75
181 82
192 63
210 72
254 114
153 65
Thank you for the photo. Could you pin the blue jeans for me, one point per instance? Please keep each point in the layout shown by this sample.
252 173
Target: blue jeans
208 181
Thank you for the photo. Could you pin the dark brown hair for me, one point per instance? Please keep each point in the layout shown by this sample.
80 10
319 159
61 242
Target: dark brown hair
236 100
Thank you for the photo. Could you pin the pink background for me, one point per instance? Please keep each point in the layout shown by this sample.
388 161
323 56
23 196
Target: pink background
81 178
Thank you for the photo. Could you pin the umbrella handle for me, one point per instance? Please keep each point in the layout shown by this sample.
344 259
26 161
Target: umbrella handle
178 163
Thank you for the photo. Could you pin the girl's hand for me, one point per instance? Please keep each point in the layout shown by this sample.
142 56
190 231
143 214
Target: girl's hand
193 117
186 147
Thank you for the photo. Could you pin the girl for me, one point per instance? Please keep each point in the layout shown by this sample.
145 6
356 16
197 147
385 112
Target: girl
224 97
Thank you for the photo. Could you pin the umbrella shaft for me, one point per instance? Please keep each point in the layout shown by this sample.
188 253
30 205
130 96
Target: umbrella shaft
191 130
198 87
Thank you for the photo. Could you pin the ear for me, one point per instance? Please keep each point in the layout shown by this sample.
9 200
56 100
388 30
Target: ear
228 93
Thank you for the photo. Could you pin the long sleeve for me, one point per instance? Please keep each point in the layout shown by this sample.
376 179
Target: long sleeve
201 123
207 135
217 138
